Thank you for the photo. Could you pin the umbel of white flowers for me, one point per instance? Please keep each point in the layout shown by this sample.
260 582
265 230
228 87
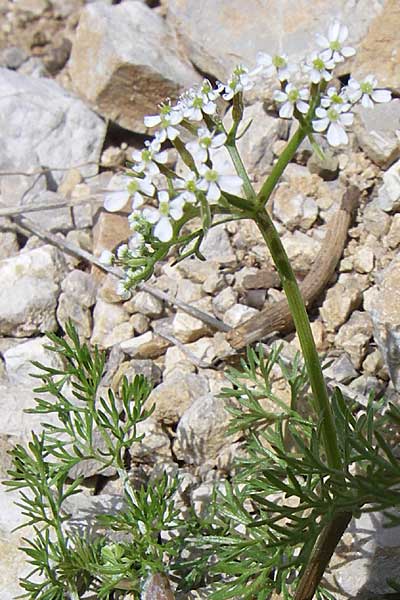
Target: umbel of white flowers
160 197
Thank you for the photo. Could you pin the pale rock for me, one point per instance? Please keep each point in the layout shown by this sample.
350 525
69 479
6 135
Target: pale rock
18 361
35 7
224 301
90 467
83 510
8 240
155 445
145 304
52 219
346 264
340 301
202 430
354 337
216 40
188 328
214 283
341 370
242 274
301 249
238 314
80 286
110 324
216 246
131 368
389 193
364 385
319 334
70 309
327 168
208 349
177 361
373 363
147 345
294 209
375 220
255 298
83 213
140 323
379 51
137 61
31 280
42 125
175 395
201 497
108 289
382 302
197 270
392 240
376 134
188 291
363 260
12 57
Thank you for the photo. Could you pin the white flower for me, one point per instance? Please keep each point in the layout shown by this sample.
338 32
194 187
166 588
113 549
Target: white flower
205 141
196 102
146 160
274 65
123 289
319 65
212 183
336 100
167 118
135 244
292 97
162 215
337 34
106 258
188 187
240 81
335 121
367 92
116 199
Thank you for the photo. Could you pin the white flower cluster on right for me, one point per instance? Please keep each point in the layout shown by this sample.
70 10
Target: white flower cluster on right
160 198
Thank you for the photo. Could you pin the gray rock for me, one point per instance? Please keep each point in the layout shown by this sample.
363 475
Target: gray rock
188 328
18 361
327 168
301 249
33 7
294 209
136 58
53 219
155 445
375 131
145 304
389 193
8 240
42 125
131 368
80 286
340 301
224 300
70 309
12 57
354 337
147 345
216 246
238 314
393 237
110 324
174 396
31 279
341 370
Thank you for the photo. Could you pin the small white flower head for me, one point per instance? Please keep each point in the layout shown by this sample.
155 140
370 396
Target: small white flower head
274 65
290 99
117 193
123 289
106 258
205 141
367 92
333 42
335 99
135 244
138 188
240 81
197 102
187 188
319 66
161 216
146 159
212 183
167 119
335 122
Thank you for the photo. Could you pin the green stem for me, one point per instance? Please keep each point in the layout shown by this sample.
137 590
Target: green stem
302 324
241 170
281 164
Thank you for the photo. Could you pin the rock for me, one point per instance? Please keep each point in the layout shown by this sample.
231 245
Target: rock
140 323
224 300
214 283
176 361
294 209
373 363
202 430
12 57
31 279
137 60
375 132
110 324
238 314
197 270
8 239
392 240
188 291
363 260
327 168
319 334
135 367
340 301
90 467
148 345
109 231
301 249
379 51
217 39
42 125
389 193
34 7
69 309
58 56
53 219
354 337
188 328
18 361
155 445
382 302
174 396
145 304
375 220
216 246
341 370
80 286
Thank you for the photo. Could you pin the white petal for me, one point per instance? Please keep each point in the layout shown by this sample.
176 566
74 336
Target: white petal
209 108
320 124
218 140
337 135
348 51
381 96
172 132
163 196
334 31
115 201
346 119
163 230
176 210
152 120
263 59
137 201
150 214
315 76
343 33
146 186
366 101
214 192
286 110
280 96
322 40
161 157
302 106
106 257
230 183
320 112
175 117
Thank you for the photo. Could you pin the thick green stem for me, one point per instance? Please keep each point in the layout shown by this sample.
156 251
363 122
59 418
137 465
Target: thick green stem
304 333
281 164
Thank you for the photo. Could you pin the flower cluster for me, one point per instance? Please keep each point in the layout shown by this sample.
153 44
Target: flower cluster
162 201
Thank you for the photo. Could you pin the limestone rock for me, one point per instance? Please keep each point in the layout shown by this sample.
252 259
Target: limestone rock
340 301
42 125
341 370
70 309
148 345
301 249
80 286
188 328
389 193
174 396
8 240
224 300
29 291
375 220
135 367
145 304
155 445
294 209
393 237
376 133
136 60
18 361
110 324
238 314
216 246
176 361
354 337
